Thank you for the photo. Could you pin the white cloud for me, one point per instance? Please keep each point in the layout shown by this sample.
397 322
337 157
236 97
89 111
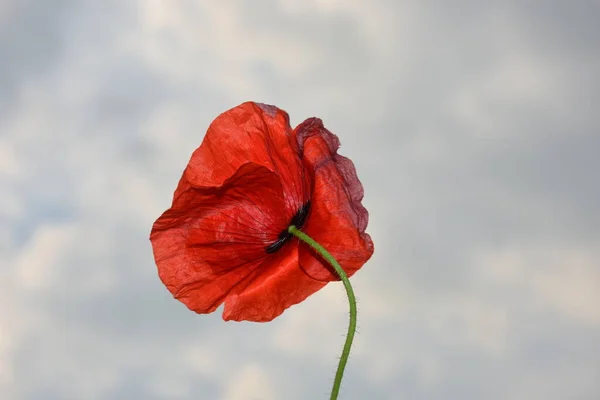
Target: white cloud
39 264
565 279
9 163
203 359
6 373
251 383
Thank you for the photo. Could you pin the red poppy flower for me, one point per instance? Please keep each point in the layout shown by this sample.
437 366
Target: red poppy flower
225 237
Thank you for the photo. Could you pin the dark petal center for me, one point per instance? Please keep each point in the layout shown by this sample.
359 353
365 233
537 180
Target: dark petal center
298 221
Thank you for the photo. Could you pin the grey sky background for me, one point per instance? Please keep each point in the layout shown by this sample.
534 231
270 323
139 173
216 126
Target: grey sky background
474 127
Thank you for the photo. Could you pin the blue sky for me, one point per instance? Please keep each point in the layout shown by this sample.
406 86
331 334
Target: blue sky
474 130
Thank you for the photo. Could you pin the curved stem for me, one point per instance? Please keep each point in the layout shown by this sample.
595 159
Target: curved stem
351 299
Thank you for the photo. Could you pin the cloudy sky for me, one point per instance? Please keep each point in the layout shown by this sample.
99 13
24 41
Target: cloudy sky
474 127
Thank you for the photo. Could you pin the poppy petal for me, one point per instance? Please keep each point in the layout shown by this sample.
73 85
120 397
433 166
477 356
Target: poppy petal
337 219
250 132
214 238
281 285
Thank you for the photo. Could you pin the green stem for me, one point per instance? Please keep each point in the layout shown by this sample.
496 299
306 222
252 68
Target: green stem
351 299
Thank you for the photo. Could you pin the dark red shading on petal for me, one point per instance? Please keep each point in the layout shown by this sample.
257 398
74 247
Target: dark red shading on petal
338 219
211 242
250 132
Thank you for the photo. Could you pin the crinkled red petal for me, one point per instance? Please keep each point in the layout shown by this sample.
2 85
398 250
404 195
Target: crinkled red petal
250 132
284 285
212 241
337 219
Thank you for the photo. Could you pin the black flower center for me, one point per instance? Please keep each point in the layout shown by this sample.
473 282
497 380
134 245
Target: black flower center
284 236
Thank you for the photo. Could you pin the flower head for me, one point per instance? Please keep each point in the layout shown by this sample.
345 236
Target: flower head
225 238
